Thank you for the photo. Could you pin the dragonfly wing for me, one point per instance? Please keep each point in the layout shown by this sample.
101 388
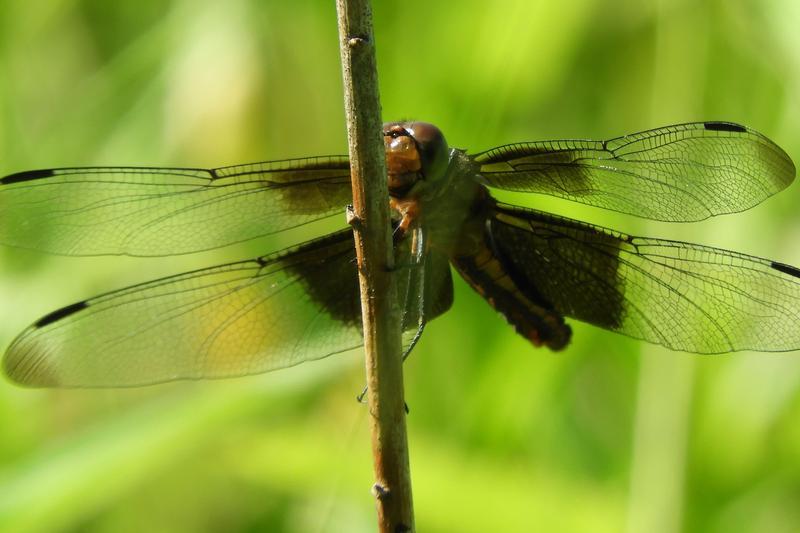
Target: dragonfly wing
424 283
166 211
231 320
686 172
683 296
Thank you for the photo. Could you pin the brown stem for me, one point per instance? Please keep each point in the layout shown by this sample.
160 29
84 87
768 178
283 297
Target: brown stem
372 227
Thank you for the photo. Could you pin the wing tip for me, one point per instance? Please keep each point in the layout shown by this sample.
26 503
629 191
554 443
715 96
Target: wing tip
28 368
26 362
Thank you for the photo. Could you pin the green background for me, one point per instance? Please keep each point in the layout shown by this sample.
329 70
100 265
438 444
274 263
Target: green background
610 435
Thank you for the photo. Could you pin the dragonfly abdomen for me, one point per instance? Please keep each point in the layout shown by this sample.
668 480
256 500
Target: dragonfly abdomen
531 316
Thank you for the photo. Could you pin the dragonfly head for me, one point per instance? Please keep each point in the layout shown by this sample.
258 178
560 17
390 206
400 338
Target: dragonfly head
415 152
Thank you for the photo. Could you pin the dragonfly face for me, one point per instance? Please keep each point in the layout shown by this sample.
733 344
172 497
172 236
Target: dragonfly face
302 303
414 151
430 185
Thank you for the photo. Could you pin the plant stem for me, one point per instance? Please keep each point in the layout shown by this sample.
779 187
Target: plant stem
372 227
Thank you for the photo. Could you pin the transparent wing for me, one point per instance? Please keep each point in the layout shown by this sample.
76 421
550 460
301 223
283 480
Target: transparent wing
686 172
231 320
166 211
683 296
424 283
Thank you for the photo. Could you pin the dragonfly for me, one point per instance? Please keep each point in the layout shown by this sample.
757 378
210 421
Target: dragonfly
302 303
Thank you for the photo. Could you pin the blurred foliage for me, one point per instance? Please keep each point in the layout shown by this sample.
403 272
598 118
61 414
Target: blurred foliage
609 435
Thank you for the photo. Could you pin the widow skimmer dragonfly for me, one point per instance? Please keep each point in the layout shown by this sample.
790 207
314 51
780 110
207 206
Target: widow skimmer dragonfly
302 303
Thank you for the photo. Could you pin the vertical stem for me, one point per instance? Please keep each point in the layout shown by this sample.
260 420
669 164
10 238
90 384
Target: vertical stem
372 228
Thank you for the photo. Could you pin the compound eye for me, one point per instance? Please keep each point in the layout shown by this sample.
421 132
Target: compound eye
432 146
425 133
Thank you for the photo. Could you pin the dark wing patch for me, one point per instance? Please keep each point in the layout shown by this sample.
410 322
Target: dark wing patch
342 298
686 172
143 211
561 285
683 296
333 285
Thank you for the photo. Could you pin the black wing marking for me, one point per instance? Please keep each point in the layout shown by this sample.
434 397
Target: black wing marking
231 320
686 172
683 296
143 211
